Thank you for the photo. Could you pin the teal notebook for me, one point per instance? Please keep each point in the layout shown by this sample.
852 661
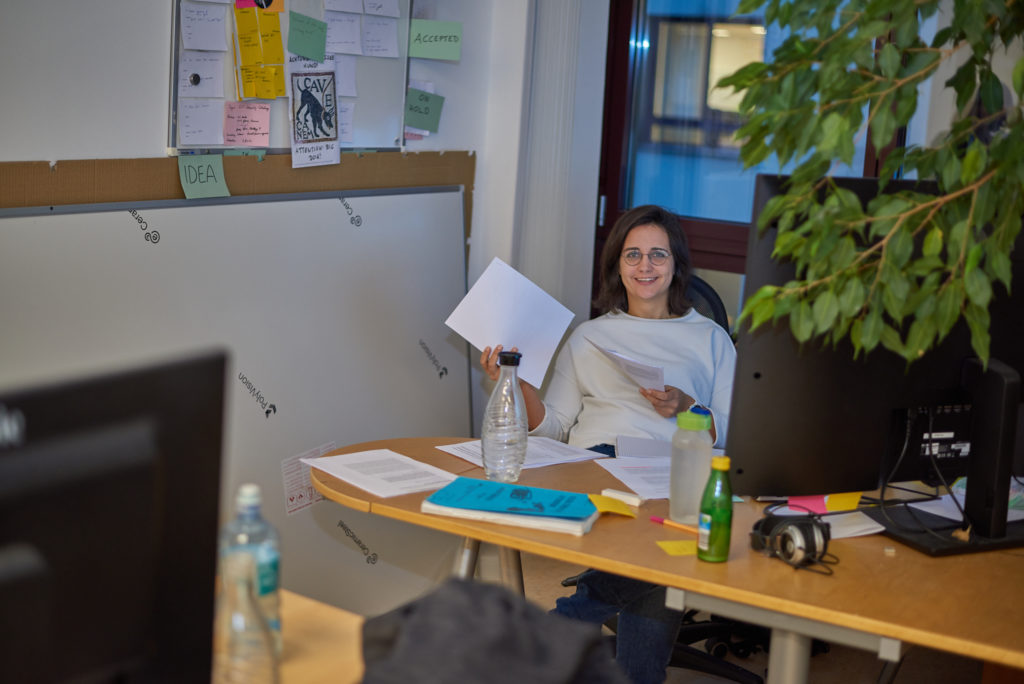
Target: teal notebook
513 504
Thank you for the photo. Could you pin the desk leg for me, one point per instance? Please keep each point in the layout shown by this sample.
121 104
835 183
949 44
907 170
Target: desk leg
511 569
465 559
789 657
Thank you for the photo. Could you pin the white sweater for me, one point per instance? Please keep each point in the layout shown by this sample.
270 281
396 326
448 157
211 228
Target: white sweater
590 401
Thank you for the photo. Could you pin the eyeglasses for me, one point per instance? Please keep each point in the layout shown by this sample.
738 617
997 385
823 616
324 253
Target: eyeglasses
656 256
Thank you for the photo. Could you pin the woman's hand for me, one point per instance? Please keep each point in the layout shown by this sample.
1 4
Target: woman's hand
668 403
489 362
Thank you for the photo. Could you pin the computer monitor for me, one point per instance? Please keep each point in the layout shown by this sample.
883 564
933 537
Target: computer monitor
108 525
811 419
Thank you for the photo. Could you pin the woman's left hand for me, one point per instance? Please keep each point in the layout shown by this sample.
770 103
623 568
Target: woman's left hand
668 403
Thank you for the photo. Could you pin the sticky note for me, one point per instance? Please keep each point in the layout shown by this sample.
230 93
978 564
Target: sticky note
259 154
808 504
202 175
606 504
270 37
435 39
681 547
307 37
247 35
423 110
846 501
247 124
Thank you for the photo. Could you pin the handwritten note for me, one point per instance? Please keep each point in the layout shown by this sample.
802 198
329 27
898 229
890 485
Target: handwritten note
380 36
247 124
423 110
307 36
344 33
202 175
203 26
200 122
435 39
344 5
201 74
383 8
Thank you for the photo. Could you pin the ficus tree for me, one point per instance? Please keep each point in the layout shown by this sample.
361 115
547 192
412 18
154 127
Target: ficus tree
903 270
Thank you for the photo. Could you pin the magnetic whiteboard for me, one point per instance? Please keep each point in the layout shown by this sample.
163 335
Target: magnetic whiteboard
332 308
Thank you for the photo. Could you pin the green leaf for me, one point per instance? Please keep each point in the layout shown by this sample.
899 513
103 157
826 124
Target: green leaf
900 247
978 323
932 242
974 162
871 331
991 92
999 264
889 60
883 125
1018 77
978 287
947 309
801 322
919 338
951 173
851 299
825 309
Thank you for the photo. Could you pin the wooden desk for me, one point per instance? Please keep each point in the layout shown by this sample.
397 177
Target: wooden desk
321 643
881 596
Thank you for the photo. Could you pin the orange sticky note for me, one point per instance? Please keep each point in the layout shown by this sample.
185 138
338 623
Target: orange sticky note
847 501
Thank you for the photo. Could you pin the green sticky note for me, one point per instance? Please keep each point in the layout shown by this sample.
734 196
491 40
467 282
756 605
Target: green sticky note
202 175
435 39
423 110
307 36
245 153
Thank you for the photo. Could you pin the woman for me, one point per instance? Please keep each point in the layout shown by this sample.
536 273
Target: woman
645 268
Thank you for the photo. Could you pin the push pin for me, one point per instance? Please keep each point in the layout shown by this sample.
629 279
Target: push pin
194 79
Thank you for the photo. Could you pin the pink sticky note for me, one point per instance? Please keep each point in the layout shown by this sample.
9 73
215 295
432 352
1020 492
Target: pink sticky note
799 504
247 124
243 4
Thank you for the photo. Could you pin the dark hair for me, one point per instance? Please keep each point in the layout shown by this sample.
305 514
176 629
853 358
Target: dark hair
612 293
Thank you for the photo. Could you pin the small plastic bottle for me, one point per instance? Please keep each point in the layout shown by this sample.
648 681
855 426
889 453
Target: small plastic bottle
251 535
243 642
715 525
504 428
691 464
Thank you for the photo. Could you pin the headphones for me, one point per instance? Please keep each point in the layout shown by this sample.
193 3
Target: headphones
798 540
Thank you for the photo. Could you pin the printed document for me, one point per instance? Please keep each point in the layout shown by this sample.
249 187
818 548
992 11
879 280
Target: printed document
540 451
382 472
645 375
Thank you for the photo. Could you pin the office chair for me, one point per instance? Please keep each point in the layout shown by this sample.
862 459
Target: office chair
706 301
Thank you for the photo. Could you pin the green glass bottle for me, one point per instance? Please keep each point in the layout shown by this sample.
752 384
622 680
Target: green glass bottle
715 521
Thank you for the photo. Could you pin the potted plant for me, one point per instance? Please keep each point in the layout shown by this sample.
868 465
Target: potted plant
902 270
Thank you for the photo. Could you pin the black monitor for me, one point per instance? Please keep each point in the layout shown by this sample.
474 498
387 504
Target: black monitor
811 419
108 525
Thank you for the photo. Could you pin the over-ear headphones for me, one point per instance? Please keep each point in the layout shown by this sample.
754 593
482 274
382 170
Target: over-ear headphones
798 540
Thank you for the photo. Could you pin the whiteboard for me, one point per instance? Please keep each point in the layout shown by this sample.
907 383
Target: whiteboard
332 308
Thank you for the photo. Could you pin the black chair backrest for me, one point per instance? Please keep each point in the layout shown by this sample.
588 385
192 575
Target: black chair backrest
706 301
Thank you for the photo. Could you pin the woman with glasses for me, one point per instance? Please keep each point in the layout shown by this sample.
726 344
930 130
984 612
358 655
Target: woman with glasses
590 402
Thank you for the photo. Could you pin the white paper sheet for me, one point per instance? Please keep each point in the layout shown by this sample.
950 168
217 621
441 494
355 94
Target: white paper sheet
203 26
540 451
382 472
842 525
384 8
380 36
208 67
345 75
504 307
344 33
642 447
643 374
201 122
648 477
344 5
944 506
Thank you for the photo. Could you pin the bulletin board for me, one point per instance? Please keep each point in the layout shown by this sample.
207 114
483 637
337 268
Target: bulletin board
370 117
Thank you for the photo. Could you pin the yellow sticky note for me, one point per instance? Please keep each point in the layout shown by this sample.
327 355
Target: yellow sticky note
248 35
279 88
270 37
679 547
846 501
266 86
606 504
249 76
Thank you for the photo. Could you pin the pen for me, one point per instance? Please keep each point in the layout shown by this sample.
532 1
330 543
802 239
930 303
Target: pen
673 523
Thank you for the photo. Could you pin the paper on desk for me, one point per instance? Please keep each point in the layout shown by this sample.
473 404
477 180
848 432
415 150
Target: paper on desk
849 524
643 374
944 506
648 477
504 307
540 451
382 472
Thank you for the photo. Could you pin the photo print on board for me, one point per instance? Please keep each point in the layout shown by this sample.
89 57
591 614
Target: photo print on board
315 113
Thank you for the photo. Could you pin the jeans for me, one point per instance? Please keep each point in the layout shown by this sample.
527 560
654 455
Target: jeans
646 630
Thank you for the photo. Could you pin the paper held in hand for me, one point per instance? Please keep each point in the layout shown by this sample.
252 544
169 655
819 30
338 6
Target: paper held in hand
504 307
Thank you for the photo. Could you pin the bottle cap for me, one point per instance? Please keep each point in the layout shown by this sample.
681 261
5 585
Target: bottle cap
697 418
509 358
248 495
720 463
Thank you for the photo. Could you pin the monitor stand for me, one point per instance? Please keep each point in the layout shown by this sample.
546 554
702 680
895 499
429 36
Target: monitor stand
907 528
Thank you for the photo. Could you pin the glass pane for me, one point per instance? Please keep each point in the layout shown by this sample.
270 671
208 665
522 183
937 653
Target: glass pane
682 151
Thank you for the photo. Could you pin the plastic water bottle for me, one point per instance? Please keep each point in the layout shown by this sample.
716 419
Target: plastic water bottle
715 524
243 642
691 464
504 428
249 534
